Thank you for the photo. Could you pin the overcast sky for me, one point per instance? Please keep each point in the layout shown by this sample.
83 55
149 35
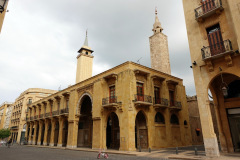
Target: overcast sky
40 39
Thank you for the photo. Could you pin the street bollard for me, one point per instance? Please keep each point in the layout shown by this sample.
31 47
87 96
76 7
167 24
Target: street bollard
149 150
196 152
176 150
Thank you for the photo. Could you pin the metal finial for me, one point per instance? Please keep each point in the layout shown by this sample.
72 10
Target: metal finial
86 32
156 10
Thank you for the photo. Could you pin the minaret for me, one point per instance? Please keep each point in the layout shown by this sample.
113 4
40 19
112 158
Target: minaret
159 48
84 62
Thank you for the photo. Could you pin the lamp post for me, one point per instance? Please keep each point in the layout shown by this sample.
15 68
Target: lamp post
2 5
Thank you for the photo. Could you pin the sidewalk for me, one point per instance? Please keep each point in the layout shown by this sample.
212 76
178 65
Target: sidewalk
165 153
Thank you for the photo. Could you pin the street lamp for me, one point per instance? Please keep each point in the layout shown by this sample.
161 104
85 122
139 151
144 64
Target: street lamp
223 86
2 5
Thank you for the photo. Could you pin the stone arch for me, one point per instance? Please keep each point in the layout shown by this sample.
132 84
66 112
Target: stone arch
159 118
78 107
141 130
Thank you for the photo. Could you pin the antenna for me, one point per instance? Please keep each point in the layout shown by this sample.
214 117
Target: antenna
138 61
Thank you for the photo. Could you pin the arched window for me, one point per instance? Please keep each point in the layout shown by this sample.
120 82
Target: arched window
174 119
159 118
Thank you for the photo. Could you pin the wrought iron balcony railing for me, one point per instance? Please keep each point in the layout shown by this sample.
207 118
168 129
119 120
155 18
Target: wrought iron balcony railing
176 104
41 116
207 8
35 117
160 101
216 49
48 114
55 113
31 118
142 98
109 100
64 111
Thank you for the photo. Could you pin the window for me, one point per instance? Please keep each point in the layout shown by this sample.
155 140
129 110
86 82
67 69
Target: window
67 102
174 119
157 95
58 105
171 97
140 92
29 101
185 122
112 94
159 118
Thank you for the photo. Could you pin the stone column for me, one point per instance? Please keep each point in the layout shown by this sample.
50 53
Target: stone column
52 132
97 133
26 131
35 133
209 136
30 134
61 120
45 132
73 134
40 132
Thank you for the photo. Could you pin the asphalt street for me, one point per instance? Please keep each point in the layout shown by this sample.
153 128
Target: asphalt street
17 152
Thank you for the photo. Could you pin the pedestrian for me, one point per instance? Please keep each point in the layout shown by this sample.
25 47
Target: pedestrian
9 142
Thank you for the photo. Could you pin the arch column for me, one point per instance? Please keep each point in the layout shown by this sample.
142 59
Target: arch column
35 133
52 132
45 132
61 120
30 134
39 132
72 133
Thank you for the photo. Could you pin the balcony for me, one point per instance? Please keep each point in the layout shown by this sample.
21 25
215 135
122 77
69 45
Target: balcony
218 50
207 9
35 117
40 116
27 119
55 113
47 115
31 118
64 111
109 102
14 127
142 100
175 105
160 102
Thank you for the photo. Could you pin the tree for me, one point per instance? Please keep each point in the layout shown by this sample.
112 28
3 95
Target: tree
4 133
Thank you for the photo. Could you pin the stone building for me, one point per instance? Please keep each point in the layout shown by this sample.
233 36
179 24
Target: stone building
126 107
20 107
214 41
4 108
8 117
3 7
194 120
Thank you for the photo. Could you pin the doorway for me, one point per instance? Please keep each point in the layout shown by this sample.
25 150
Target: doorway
141 131
113 132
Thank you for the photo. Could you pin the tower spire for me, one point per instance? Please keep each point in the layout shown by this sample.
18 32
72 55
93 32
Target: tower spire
157 27
86 39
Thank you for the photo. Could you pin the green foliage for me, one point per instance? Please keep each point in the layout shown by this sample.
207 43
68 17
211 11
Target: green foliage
4 133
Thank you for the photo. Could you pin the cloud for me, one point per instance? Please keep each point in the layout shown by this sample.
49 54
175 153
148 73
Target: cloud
40 40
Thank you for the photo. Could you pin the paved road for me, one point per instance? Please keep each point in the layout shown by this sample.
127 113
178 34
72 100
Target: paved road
34 153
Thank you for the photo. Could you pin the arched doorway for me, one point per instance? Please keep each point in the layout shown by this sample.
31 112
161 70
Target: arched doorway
65 133
85 124
56 133
43 131
225 89
141 131
113 132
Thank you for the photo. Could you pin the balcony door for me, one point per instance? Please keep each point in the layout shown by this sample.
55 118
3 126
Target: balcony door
215 40
208 5
171 97
112 94
157 95
140 92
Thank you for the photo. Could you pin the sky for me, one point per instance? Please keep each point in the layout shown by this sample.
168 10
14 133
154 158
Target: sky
40 39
